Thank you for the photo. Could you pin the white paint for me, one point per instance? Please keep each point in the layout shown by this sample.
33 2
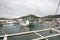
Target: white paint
27 22
5 37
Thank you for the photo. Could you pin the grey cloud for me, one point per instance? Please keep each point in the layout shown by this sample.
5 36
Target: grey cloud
16 8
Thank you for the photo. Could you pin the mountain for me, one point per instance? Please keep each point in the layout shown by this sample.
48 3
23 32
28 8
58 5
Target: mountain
3 18
31 16
52 16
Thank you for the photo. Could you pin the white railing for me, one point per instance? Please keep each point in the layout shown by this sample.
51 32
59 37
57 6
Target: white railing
36 32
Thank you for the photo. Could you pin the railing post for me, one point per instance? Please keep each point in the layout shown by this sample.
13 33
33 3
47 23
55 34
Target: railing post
47 39
5 37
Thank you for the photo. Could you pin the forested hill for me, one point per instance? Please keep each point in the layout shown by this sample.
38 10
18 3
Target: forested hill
52 16
32 16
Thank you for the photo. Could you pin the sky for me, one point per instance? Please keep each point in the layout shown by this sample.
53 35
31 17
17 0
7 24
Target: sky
18 8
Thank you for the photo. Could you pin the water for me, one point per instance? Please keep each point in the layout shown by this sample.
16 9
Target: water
24 37
11 28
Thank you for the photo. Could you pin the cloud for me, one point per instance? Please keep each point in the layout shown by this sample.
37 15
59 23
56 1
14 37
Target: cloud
18 8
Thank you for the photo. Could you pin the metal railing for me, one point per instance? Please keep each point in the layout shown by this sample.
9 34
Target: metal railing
36 32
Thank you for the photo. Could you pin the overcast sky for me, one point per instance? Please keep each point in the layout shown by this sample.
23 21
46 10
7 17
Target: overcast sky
18 8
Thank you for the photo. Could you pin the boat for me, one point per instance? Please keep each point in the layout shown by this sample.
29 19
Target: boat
15 23
25 23
1 23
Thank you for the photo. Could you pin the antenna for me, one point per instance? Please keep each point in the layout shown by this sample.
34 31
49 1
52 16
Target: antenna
56 13
57 10
57 7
